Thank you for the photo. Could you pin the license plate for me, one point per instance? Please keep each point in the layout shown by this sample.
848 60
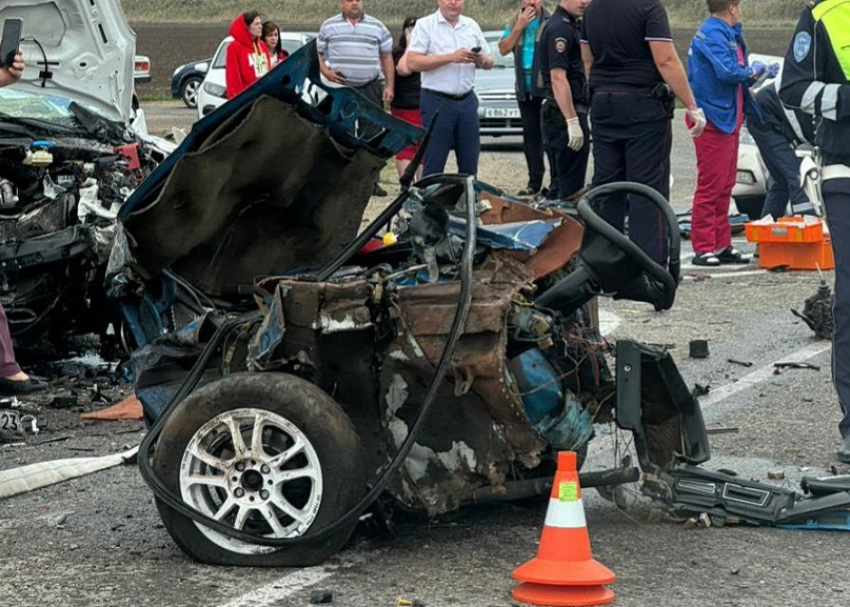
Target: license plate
501 112
10 423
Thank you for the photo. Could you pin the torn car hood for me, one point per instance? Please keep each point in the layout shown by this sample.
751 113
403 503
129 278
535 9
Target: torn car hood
89 49
274 181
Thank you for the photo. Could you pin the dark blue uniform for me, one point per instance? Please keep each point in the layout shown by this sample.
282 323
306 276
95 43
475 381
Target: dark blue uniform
631 112
816 80
560 48
777 131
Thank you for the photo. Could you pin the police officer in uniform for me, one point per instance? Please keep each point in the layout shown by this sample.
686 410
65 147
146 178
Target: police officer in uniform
816 80
563 117
634 73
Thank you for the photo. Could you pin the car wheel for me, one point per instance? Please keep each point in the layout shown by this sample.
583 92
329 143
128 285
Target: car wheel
266 453
189 91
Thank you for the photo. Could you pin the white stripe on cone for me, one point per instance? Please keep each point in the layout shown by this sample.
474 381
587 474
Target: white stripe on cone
565 515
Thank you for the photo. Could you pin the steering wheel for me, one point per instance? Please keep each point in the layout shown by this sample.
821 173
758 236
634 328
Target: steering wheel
610 263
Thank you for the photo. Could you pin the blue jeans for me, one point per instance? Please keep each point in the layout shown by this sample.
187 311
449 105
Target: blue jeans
456 129
784 167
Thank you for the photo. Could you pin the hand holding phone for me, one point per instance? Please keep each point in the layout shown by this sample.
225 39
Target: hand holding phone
10 42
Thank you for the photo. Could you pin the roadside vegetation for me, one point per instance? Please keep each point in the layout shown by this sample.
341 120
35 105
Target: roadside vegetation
490 13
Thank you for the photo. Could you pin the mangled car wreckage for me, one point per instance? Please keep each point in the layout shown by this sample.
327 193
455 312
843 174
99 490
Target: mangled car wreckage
294 371
72 148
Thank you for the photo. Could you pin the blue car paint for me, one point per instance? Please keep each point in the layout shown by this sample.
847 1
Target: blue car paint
186 71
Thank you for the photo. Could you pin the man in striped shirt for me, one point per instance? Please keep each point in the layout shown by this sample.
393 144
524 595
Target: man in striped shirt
354 48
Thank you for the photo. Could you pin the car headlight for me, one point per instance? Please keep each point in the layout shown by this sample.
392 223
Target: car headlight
746 177
216 90
177 71
202 67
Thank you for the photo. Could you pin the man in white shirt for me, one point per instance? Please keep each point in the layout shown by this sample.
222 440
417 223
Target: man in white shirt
447 48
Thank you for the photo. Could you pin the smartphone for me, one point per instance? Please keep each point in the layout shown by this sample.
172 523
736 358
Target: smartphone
476 49
10 42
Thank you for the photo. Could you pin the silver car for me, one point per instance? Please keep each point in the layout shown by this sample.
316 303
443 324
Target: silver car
498 111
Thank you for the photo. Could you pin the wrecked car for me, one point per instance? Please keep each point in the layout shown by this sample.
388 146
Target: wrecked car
72 148
293 370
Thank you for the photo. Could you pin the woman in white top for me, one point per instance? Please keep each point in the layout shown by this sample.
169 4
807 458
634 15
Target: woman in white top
271 36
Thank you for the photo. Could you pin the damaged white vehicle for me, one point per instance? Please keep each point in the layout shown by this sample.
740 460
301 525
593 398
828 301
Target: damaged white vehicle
72 149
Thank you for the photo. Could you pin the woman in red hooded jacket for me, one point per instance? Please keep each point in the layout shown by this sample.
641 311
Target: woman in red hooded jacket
247 56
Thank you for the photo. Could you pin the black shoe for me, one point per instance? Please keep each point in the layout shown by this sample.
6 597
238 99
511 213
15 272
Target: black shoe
843 453
732 255
10 387
379 191
705 259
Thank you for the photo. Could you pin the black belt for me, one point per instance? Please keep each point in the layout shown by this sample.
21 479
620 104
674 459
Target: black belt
578 106
447 95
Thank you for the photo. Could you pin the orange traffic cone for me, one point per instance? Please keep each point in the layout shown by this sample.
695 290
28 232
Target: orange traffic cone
564 572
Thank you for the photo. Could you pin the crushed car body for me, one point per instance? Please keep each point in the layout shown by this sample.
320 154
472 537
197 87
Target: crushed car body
292 369
72 149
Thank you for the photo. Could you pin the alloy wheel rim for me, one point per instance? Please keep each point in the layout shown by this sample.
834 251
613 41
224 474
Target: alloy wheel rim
255 471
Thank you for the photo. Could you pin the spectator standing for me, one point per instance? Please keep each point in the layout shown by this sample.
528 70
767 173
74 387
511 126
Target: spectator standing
447 47
247 56
720 76
564 112
522 40
271 36
405 103
354 48
777 133
13 381
634 74
816 80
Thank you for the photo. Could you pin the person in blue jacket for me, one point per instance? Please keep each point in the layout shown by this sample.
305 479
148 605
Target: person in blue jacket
720 76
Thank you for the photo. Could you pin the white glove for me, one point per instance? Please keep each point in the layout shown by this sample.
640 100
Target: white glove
697 116
575 134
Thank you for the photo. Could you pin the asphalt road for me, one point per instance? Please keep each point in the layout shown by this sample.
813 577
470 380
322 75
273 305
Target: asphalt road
111 550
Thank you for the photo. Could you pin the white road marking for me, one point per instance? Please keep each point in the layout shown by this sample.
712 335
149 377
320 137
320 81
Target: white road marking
283 587
763 374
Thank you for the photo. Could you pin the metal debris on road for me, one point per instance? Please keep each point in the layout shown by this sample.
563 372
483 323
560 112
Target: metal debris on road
318 597
794 365
743 363
698 348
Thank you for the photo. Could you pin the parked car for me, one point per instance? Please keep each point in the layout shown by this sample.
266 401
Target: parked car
498 112
753 178
141 69
444 369
212 92
186 81
72 148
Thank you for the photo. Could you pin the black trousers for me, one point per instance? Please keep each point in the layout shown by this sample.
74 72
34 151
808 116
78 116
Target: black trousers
373 91
632 140
836 199
532 142
569 167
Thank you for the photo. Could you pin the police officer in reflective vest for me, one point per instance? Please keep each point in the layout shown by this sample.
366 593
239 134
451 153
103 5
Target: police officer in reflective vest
561 80
635 76
816 80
